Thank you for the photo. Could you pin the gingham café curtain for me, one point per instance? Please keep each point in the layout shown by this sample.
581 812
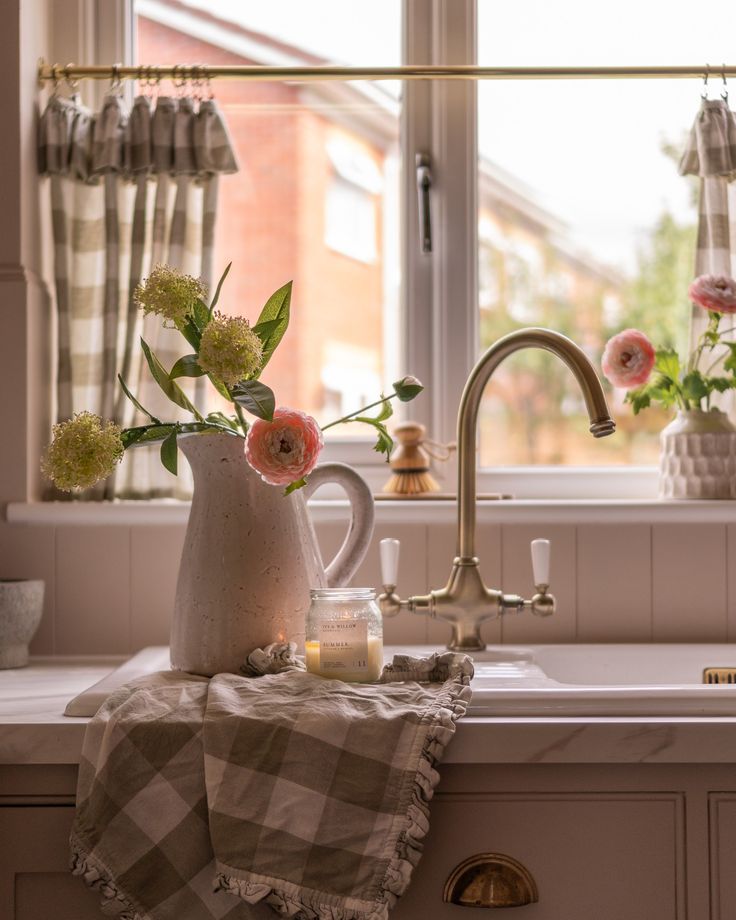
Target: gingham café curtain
129 188
710 153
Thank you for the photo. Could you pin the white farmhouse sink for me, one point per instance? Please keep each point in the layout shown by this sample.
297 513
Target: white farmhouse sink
602 680
544 680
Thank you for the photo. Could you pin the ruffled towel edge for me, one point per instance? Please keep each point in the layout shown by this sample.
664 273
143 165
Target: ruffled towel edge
289 900
99 878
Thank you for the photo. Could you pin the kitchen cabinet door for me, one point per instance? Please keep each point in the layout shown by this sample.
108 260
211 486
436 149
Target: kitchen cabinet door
35 882
603 855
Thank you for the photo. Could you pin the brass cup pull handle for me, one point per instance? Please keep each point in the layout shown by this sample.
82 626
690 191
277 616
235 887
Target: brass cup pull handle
490 880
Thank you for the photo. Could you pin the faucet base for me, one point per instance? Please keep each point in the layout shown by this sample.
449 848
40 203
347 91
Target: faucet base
467 644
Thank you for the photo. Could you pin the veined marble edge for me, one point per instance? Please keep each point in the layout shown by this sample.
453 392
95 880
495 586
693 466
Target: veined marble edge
478 740
508 511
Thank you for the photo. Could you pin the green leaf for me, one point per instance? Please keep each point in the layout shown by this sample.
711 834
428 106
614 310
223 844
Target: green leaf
220 387
264 330
170 387
131 436
293 486
218 289
730 362
223 419
384 444
407 388
170 452
694 387
387 410
276 308
135 402
721 384
191 333
666 394
201 315
145 434
667 362
256 397
639 399
186 366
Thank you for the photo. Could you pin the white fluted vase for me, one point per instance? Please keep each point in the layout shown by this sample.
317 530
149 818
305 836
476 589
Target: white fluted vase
698 456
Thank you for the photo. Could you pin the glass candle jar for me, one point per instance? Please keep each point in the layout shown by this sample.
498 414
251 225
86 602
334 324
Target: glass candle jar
345 634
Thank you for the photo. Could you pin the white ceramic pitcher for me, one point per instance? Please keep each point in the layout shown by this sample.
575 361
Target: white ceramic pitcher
251 556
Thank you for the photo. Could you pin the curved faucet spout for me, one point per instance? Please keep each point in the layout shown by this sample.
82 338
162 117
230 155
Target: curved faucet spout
601 423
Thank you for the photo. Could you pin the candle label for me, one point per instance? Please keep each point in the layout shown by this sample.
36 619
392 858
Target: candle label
343 646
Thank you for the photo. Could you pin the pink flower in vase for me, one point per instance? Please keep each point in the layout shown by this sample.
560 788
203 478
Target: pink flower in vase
714 292
628 359
284 450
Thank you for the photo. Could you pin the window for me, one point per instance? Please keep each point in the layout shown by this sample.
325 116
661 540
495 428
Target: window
553 202
315 199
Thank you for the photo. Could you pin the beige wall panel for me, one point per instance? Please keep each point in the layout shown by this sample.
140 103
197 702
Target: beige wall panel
614 583
154 558
517 579
689 583
93 590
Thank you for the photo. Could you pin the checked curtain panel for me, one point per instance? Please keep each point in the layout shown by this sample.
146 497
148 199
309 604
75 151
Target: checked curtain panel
129 188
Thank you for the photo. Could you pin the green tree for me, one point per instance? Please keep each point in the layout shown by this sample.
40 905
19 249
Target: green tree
655 300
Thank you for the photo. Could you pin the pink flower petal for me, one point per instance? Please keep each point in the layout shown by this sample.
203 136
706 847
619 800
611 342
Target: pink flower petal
286 449
628 359
714 292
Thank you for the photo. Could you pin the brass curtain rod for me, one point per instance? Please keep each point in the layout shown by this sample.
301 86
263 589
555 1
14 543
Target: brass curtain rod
182 73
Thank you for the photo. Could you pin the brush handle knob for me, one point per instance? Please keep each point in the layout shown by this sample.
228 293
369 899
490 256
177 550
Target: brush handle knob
389 550
540 562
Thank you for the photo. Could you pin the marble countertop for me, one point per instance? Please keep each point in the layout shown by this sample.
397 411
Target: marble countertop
34 730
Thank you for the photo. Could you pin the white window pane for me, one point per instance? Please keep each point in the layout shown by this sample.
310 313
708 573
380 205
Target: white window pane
584 222
316 197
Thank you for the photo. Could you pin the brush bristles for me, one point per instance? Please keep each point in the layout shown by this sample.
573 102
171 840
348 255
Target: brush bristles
411 483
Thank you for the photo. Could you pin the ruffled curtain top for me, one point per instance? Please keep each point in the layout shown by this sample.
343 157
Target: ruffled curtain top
64 138
212 141
110 153
711 146
174 137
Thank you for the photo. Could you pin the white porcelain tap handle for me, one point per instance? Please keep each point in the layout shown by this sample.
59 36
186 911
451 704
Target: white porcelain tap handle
390 561
540 561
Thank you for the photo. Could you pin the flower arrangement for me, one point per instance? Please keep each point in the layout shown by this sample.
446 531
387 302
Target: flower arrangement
282 445
657 375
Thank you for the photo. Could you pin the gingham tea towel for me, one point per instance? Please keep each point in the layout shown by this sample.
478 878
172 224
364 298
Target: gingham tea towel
199 797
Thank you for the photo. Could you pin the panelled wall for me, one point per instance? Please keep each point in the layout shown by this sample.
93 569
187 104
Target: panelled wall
110 586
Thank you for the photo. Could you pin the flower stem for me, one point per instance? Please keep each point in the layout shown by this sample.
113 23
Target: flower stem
346 418
241 417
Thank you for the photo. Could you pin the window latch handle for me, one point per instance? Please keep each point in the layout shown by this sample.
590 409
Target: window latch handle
424 183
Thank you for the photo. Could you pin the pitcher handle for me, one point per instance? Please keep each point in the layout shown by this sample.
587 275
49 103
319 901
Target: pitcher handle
356 543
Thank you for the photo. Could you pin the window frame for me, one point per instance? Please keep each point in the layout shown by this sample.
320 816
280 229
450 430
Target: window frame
437 342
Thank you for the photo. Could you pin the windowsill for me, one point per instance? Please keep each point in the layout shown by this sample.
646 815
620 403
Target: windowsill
506 511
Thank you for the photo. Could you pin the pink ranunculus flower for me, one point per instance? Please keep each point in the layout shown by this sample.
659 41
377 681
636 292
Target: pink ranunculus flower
286 449
714 292
628 359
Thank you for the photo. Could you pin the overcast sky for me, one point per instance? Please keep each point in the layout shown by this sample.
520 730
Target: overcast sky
590 149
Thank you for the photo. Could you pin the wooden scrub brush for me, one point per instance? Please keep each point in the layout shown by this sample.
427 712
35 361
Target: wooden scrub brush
410 462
